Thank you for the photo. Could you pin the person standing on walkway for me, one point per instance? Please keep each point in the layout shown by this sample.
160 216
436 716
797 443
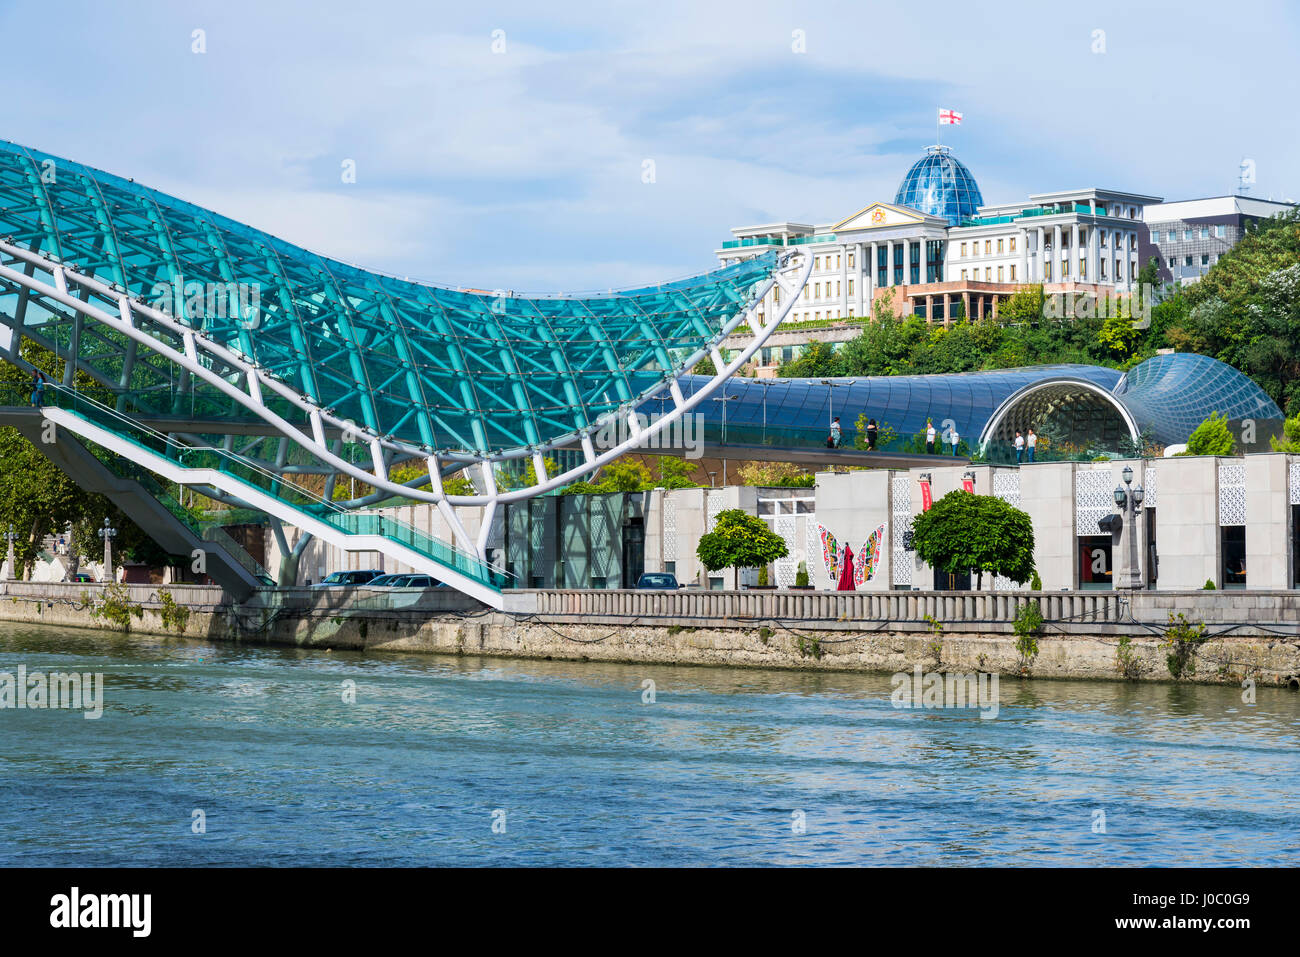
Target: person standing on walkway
1032 442
872 430
1020 447
929 437
836 432
38 387
953 438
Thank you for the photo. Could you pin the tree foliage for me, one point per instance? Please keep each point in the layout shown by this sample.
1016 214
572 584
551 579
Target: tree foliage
630 475
977 533
739 540
775 475
1211 437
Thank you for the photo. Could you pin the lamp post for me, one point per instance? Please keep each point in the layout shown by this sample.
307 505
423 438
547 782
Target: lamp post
831 386
108 533
1128 498
11 536
724 399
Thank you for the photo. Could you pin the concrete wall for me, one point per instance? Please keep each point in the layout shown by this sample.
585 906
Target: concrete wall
1269 561
1187 522
853 505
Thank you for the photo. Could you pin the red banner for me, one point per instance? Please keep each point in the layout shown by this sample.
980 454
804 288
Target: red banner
925 496
968 484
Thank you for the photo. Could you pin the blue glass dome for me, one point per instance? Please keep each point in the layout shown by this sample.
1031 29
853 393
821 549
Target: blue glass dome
939 184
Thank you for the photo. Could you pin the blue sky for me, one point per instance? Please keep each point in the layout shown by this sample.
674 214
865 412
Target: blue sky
523 169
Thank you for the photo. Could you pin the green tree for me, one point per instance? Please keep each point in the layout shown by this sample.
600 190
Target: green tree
1118 336
675 473
1290 441
739 540
1211 437
964 532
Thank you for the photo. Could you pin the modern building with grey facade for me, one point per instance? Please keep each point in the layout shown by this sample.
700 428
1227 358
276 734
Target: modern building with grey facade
1189 236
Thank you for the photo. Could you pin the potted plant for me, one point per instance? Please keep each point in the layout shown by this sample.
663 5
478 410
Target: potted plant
801 578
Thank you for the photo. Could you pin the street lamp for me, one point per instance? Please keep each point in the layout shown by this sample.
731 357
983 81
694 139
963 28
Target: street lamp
1128 499
108 533
724 399
11 536
832 385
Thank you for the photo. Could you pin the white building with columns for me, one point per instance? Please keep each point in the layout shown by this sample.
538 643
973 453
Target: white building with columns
946 256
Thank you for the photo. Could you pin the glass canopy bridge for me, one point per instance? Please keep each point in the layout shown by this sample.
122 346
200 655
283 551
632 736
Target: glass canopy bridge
217 336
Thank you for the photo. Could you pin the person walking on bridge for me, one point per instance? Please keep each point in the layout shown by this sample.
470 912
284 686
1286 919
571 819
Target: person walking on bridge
38 387
836 433
929 437
871 435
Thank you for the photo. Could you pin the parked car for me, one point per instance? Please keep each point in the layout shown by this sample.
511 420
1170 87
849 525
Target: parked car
384 581
657 580
80 577
349 578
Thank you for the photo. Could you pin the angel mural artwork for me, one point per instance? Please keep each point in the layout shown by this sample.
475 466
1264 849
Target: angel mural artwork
863 565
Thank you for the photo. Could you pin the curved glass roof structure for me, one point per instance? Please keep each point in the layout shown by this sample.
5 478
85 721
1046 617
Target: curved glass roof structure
941 185
798 411
462 370
1168 394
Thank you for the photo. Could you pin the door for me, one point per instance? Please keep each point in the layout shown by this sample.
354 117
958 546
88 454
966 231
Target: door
633 552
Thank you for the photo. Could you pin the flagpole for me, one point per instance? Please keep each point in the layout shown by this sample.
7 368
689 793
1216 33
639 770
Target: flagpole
938 129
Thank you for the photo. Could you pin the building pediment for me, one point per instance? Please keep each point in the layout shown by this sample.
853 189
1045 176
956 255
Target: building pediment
884 216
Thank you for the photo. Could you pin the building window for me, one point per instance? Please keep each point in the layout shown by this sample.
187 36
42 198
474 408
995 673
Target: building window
999 274
988 247
1013 270
988 273
1013 243
1065 269
1205 259
1187 260
837 289
1083 268
850 260
999 245
1220 232
963 274
850 284
1205 232
1105 236
1171 236
1103 269
963 249
1187 235
1047 271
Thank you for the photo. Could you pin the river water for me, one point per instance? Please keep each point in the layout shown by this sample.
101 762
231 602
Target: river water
476 761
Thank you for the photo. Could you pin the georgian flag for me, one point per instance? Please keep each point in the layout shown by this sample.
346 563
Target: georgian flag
949 118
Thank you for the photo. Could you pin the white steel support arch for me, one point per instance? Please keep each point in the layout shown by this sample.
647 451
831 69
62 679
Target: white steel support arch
791 275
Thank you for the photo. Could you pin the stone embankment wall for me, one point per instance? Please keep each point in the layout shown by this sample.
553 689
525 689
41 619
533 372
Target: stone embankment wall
1090 635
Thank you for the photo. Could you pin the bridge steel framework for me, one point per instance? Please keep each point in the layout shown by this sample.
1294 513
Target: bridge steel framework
346 372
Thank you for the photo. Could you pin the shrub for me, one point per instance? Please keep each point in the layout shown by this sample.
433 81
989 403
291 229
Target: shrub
1182 637
174 615
801 576
1029 619
1209 585
762 576
1035 583
115 607
1211 437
